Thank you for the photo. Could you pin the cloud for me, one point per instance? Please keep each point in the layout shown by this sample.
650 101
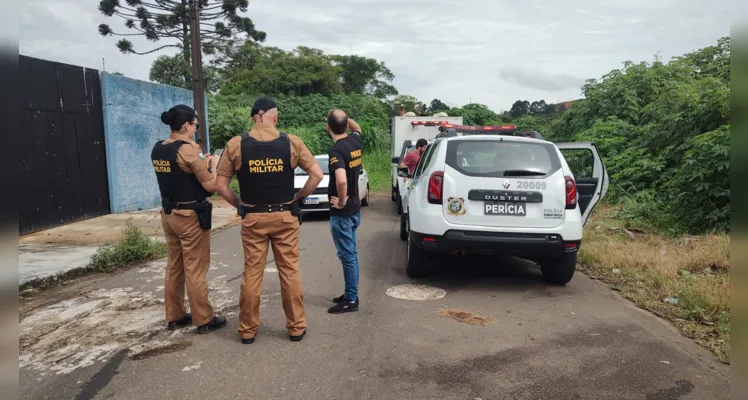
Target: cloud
535 79
435 49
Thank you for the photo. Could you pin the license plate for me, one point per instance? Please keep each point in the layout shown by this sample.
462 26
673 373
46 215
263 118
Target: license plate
311 200
503 208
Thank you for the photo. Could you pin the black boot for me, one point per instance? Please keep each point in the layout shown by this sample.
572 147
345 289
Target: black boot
215 323
180 323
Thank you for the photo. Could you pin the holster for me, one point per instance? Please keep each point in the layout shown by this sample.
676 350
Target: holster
296 209
240 210
167 205
205 215
203 209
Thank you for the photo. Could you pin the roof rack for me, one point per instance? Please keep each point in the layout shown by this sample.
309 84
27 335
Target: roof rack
450 130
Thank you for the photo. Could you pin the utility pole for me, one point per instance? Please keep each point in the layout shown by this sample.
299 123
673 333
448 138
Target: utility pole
198 84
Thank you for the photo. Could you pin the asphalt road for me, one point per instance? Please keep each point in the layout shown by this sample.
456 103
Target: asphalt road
581 341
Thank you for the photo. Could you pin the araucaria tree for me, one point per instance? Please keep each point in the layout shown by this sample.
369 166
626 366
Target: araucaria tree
220 24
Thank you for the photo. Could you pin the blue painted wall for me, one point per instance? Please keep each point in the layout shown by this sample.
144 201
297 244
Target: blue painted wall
132 125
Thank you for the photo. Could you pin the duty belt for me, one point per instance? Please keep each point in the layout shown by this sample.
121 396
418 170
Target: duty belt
268 208
169 205
294 208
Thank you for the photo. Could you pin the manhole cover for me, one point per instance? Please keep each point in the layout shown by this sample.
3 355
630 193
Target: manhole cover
415 292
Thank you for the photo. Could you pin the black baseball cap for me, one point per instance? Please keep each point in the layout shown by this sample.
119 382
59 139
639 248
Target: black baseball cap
262 104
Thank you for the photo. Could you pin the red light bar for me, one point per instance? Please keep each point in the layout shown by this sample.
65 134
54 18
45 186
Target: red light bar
507 128
428 123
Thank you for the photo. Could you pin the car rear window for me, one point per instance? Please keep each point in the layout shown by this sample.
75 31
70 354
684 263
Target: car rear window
322 164
501 158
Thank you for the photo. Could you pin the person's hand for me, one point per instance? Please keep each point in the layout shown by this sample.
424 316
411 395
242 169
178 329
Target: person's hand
212 162
335 202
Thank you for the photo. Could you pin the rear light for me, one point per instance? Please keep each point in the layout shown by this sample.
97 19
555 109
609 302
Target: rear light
436 186
571 193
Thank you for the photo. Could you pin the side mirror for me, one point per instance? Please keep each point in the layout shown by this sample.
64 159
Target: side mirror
403 172
395 160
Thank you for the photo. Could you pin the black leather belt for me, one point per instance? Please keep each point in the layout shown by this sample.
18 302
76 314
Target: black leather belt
268 208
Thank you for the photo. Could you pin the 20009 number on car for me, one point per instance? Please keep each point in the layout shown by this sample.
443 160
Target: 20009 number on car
531 185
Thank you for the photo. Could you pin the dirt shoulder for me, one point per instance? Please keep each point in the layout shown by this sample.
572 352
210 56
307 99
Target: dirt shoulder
685 280
107 229
65 252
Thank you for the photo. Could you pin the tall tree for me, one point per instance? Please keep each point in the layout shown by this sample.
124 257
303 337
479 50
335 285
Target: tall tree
520 108
437 105
406 102
362 75
538 107
221 25
171 70
301 72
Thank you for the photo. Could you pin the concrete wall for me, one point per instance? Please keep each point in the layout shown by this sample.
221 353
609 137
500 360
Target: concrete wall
132 125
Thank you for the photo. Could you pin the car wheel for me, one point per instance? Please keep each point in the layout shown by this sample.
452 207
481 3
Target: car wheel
418 260
394 194
403 227
365 200
560 271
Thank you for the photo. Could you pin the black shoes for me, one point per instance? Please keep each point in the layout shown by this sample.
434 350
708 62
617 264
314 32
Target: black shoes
298 337
344 306
215 323
340 298
248 341
180 323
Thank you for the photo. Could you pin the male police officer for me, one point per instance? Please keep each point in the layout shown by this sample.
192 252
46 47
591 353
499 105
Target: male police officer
345 205
264 161
185 183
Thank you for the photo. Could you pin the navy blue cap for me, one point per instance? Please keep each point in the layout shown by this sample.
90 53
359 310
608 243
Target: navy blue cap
263 104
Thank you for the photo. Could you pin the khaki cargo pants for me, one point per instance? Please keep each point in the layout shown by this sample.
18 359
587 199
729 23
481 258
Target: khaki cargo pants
188 255
281 231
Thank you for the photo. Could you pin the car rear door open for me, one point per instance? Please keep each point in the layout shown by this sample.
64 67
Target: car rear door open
590 175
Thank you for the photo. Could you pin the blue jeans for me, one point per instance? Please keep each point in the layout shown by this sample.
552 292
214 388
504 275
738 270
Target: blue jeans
344 236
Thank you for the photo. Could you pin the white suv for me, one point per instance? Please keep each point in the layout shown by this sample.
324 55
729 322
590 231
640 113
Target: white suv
482 190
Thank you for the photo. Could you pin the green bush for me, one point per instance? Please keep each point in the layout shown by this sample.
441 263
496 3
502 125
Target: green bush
229 115
135 246
663 131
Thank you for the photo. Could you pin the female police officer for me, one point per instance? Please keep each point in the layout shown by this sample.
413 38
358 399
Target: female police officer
185 182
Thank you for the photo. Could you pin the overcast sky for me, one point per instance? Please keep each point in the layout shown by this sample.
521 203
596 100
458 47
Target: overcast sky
491 51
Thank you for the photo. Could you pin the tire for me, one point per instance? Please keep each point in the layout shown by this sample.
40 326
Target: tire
403 227
365 200
560 271
418 261
394 194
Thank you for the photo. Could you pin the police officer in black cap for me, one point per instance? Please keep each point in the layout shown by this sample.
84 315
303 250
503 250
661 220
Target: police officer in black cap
264 161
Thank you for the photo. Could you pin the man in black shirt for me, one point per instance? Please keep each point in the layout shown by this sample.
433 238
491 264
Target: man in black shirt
345 204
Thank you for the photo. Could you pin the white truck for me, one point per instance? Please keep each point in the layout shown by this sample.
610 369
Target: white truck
404 133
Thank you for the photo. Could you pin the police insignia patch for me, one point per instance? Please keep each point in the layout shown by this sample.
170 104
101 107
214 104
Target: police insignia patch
456 205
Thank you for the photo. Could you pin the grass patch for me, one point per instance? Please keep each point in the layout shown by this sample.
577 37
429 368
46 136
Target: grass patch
135 246
377 165
683 279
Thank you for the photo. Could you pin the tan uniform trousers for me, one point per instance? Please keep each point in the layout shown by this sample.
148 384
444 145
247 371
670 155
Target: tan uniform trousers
188 255
281 229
